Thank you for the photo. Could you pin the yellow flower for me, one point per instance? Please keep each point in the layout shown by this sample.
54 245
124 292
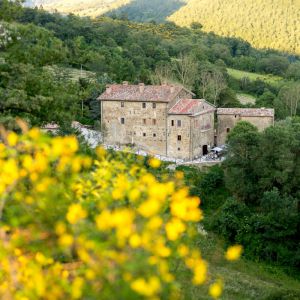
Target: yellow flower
134 195
146 288
149 208
34 133
154 163
234 253
200 272
179 175
174 229
77 287
76 213
12 139
183 250
135 241
66 240
101 152
215 289
60 228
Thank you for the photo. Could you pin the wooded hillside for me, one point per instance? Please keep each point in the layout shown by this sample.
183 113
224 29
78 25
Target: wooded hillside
91 8
266 24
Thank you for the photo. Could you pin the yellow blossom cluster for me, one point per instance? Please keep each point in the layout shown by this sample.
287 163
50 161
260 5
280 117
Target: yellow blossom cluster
76 227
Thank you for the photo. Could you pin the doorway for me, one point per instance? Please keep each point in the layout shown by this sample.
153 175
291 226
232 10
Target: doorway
204 150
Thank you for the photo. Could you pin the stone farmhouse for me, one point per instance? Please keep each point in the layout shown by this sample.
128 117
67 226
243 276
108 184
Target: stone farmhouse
165 120
229 117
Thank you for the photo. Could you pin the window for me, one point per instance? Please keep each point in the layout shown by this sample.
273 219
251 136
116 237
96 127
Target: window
153 105
144 121
178 123
228 130
154 134
172 122
154 121
122 120
144 134
179 138
122 104
144 105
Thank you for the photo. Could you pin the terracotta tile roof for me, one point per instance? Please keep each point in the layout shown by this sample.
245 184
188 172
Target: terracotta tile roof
126 92
247 112
190 107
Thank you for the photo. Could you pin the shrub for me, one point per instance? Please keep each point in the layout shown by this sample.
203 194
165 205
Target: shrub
76 228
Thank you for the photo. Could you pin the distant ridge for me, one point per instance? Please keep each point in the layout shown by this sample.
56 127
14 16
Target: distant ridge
273 24
264 23
91 8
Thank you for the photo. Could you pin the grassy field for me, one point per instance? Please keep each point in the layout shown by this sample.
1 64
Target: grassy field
238 74
71 73
246 98
244 280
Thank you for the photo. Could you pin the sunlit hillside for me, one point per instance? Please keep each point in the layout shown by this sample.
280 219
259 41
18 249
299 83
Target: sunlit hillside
92 8
264 23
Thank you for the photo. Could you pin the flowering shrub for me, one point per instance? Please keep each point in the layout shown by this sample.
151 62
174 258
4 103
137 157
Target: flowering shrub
76 228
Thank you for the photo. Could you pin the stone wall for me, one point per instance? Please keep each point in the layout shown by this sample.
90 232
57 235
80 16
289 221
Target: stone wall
179 132
143 127
202 133
227 122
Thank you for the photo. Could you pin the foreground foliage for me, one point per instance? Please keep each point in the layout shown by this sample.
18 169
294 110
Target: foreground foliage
72 227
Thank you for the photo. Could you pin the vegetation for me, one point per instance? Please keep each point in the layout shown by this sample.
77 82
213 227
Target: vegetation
111 50
52 69
268 24
262 211
148 11
92 227
91 8
268 78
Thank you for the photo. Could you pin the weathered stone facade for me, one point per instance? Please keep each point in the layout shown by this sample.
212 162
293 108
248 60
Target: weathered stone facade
165 120
157 120
229 117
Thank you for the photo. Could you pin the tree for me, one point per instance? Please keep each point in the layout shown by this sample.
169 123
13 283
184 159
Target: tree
293 71
243 149
212 84
186 68
10 9
162 73
290 96
274 64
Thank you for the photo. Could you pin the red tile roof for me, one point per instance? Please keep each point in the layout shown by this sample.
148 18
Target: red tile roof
157 93
247 112
190 107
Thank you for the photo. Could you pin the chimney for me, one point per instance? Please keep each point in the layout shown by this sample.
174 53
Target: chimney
108 90
141 87
172 89
125 82
164 83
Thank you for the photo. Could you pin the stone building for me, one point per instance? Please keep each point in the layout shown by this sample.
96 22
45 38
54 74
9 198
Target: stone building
229 117
161 120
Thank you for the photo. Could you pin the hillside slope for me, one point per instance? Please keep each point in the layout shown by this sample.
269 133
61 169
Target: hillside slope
146 11
265 23
92 8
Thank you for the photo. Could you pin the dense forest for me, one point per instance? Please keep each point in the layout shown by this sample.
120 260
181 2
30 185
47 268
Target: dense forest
91 8
265 24
115 50
148 11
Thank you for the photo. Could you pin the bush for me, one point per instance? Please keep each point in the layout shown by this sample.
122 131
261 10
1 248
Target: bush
72 227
